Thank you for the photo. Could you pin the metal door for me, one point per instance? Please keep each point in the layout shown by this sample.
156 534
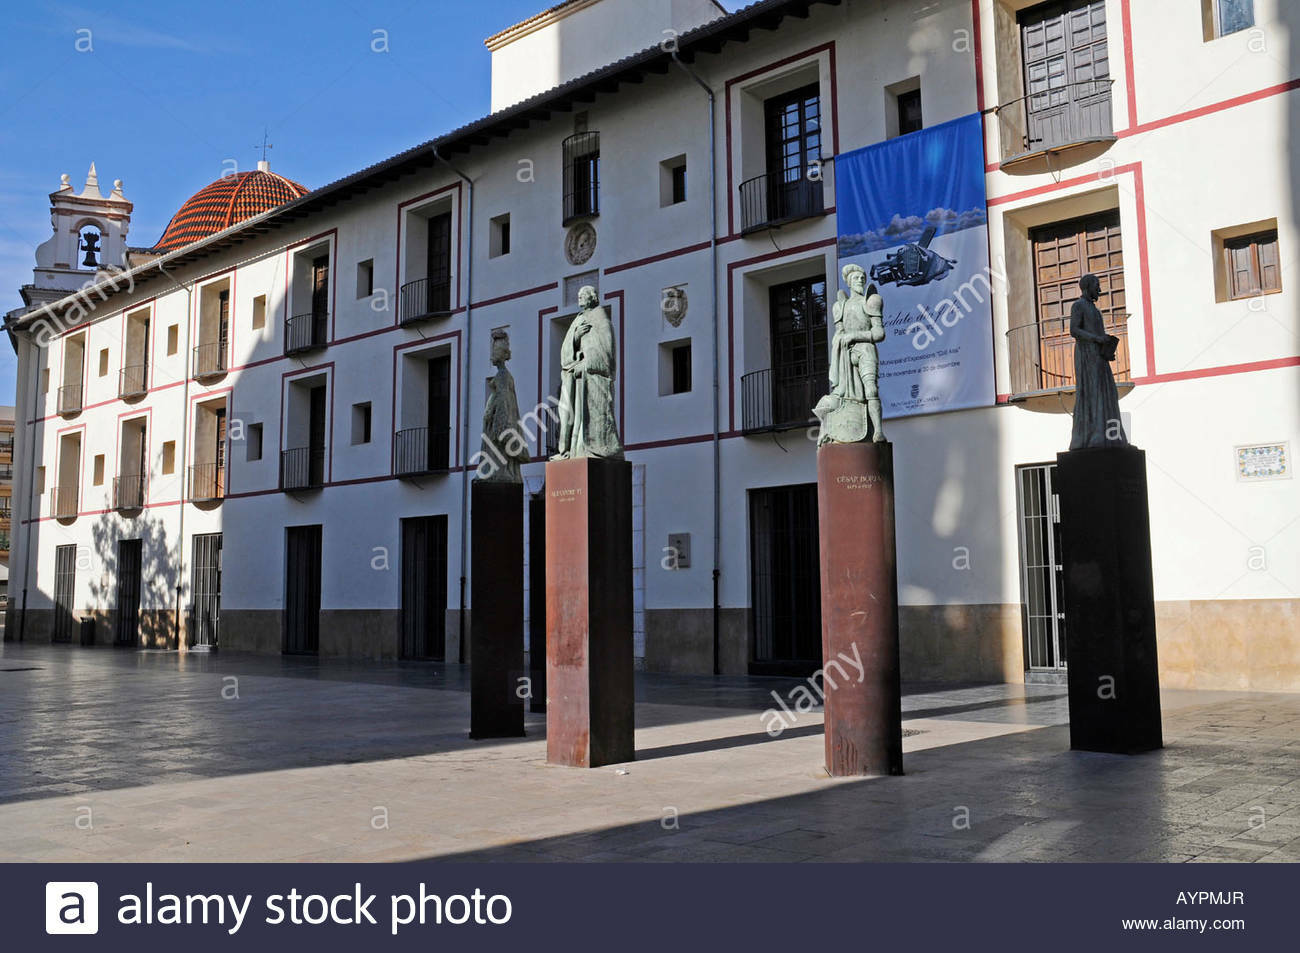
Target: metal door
424 587
785 574
65 577
205 583
127 631
1041 575
302 590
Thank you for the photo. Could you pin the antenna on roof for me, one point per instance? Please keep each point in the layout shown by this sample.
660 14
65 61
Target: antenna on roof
262 164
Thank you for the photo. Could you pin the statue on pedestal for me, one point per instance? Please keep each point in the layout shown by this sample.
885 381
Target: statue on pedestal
503 449
851 412
1097 420
587 367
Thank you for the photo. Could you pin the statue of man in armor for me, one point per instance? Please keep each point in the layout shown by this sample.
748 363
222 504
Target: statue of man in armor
855 364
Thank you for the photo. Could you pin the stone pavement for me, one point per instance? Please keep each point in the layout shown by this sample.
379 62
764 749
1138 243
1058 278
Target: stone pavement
137 756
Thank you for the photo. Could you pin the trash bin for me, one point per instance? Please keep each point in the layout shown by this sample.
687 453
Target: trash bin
87 631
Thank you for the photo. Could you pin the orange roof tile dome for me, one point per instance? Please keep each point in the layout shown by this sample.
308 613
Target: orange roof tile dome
229 200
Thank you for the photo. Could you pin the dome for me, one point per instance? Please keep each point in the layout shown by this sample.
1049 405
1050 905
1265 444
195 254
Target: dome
229 200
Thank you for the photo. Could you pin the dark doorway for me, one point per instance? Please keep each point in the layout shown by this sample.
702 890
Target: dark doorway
785 580
424 587
128 592
439 410
302 590
206 586
316 438
65 578
438 264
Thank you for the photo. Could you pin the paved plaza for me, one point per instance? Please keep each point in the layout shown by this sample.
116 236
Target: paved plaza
150 756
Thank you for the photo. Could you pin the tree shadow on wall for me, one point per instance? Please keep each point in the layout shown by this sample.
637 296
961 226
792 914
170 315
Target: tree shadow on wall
133 593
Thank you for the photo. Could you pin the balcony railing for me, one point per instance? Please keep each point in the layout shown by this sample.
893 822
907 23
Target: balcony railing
63 502
207 482
132 381
128 491
306 332
209 360
780 401
6 471
1042 364
302 468
419 450
581 157
1071 122
425 298
772 199
70 398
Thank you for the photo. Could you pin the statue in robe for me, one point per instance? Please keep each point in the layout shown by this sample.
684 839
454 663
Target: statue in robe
852 411
503 447
1097 420
587 368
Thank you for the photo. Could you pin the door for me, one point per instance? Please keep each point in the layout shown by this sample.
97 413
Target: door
1067 72
438 264
439 410
219 453
144 363
1063 253
785 580
316 438
320 299
205 583
223 329
1042 592
800 352
127 630
65 578
793 135
424 587
302 590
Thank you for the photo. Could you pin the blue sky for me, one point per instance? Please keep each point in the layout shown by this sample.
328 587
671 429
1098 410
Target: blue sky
171 90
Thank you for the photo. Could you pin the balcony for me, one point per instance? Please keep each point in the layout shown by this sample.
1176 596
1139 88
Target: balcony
302 468
419 451
209 360
6 471
128 491
769 200
70 398
207 482
63 502
132 381
306 332
1057 127
424 299
1044 366
771 403
581 156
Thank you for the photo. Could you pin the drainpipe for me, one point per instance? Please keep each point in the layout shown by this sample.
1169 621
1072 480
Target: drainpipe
31 484
469 350
717 444
185 434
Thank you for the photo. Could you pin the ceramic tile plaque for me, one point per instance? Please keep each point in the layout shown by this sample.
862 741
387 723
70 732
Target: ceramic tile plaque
1270 461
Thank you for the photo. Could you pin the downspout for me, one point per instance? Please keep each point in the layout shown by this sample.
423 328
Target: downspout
31 487
717 440
469 350
185 434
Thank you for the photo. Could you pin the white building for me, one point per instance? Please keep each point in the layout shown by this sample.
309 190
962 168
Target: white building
295 465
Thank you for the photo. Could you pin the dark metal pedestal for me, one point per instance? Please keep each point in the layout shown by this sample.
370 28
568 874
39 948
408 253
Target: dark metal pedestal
496 706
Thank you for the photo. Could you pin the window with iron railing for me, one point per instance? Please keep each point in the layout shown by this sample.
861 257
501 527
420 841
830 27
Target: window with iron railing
581 157
782 396
791 188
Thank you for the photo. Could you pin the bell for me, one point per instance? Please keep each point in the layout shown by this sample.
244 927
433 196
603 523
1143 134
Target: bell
90 243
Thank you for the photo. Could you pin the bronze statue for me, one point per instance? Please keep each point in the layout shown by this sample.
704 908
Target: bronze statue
587 369
851 412
503 449
1096 399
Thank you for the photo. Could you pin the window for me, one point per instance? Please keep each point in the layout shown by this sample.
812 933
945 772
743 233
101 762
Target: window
499 242
1248 261
581 157
99 470
672 181
783 395
1222 17
259 312
169 457
254 438
674 367
307 327
209 354
903 107
173 342
1066 70
909 112
366 278
792 146
360 423
103 362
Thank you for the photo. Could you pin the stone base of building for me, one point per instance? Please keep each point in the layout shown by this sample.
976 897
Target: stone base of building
680 641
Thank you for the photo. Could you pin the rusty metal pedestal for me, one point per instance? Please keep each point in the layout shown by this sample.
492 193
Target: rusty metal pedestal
589 705
855 511
496 627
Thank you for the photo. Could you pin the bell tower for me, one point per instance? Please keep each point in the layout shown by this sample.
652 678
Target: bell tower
89 236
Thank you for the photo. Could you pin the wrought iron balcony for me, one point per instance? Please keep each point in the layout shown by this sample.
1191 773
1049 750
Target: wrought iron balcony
209 360
207 482
418 451
63 502
129 491
771 199
1044 365
1048 129
132 381
302 468
581 157
780 401
70 398
306 332
424 298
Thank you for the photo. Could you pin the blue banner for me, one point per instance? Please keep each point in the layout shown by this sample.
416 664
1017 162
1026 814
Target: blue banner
912 213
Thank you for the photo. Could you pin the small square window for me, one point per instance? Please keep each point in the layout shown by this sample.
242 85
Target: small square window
103 362
254 439
259 312
99 469
903 108
1248 261
360 423
499 243
173 339
674 367
672 181
365 278
1223 17
169 457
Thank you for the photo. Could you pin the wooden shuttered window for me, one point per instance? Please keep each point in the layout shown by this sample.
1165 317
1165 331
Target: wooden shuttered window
1252 264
